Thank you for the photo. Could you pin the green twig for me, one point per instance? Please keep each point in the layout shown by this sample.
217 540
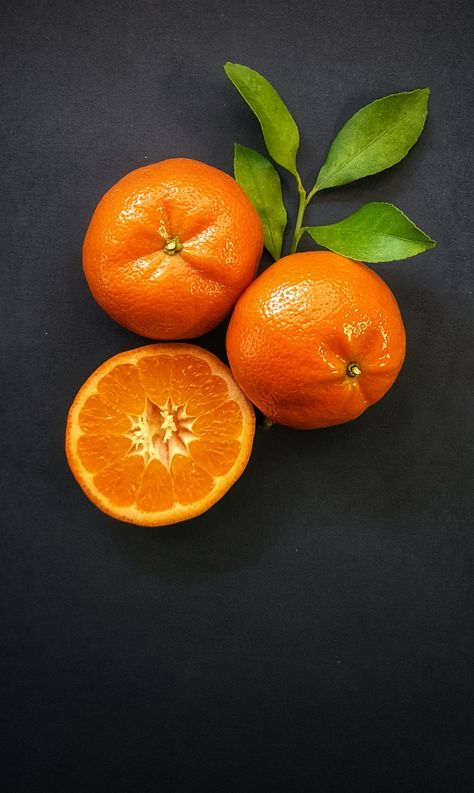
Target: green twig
311 193
300 215
303 203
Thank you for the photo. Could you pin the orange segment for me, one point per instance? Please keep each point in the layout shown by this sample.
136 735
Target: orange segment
215 457
156 490
158 434
189 376
155 374
177 378
122 389
224 421
97 417
191 483
120 481
212 393
98 451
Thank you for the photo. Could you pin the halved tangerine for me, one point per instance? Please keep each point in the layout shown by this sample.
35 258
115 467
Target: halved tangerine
158 434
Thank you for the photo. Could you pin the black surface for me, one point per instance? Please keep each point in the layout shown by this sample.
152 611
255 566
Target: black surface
311 632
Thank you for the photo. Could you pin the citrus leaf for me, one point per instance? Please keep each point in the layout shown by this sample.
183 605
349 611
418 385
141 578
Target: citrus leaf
376 137
377 232
260 180
278 125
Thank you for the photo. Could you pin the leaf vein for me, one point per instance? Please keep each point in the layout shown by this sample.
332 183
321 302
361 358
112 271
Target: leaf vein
369 143
389 236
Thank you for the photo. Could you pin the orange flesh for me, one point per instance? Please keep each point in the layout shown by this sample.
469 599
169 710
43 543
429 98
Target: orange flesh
157 435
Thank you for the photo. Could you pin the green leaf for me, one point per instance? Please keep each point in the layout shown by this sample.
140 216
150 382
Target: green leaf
377 232
278 126
260 180
376 137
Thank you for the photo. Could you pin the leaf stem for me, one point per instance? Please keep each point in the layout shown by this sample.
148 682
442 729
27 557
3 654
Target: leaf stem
300 215
312 193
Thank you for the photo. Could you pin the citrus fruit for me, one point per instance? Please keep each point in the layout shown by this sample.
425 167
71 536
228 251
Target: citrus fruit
315 340
171 247
158 434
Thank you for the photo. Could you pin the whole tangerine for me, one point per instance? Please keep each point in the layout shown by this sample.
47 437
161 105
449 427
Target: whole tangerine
171 247
315 340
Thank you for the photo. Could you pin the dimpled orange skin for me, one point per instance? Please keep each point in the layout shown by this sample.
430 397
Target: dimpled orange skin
315 340
213 236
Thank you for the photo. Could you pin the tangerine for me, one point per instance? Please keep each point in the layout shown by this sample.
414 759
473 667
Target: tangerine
315 340
171 247
158 434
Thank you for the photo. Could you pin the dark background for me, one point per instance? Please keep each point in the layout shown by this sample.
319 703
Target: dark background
311 632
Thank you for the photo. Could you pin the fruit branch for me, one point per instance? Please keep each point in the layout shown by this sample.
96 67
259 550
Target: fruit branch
303 202
378 136
311 193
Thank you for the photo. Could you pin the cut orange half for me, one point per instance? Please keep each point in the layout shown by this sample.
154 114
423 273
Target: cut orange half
158 434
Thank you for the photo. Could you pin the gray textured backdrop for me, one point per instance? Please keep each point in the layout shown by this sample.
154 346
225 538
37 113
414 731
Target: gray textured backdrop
309 634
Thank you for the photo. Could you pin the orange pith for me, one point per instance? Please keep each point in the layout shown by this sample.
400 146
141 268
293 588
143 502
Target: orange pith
158 434
170 248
